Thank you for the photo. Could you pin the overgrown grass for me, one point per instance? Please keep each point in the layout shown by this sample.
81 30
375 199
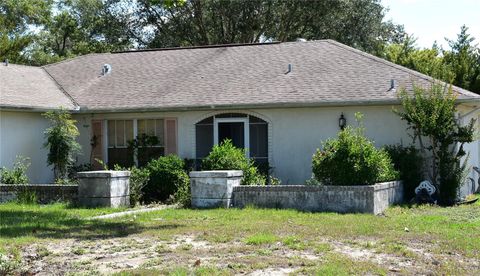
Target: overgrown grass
258 234
23 224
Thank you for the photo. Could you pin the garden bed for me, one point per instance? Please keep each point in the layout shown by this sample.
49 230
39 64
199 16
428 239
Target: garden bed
342 199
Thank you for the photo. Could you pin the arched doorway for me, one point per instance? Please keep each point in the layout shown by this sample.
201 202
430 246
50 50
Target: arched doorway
246 131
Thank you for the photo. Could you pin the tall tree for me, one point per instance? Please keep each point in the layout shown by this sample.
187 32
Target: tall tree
464 60
458 65
359 23
18 21
79 27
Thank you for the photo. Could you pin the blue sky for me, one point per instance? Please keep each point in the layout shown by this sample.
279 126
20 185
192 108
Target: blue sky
431 20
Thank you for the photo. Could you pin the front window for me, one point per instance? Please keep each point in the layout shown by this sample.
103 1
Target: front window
145 136
120 132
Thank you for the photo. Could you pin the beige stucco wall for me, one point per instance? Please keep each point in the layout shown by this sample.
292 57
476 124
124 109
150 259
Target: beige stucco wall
22 133
294 133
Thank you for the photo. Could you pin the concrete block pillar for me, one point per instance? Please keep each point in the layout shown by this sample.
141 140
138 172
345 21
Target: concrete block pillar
104 189
211 189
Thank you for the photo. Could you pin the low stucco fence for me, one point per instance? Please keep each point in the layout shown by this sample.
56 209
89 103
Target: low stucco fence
222 189
213 188
372 199
45 193
95 189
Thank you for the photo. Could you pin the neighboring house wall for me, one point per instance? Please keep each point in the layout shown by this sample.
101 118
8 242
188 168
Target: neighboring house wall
22 133
466 114
294 133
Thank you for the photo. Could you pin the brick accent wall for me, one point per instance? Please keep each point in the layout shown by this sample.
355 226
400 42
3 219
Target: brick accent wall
46 193
372 199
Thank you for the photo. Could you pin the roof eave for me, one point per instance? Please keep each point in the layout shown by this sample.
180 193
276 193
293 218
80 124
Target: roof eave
25 108
242 106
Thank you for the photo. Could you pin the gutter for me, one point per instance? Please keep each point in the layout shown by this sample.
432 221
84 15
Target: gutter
256 106
80 109
476 109
242 106
35 108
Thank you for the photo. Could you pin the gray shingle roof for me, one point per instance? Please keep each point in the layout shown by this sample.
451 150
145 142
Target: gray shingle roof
30 88
323 73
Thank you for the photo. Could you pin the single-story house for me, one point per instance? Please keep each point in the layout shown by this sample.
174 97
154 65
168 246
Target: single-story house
278 100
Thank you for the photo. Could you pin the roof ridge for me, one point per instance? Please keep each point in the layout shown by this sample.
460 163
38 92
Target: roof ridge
74 102
396 66
73 58
197 47
20 65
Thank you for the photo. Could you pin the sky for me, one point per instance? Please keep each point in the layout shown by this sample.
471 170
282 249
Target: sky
433 20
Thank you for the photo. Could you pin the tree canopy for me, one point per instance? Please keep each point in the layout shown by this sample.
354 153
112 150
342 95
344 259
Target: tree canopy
39 32
459 65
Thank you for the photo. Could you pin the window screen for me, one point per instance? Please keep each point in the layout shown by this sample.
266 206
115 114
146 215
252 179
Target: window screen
152 127
119 133
258 139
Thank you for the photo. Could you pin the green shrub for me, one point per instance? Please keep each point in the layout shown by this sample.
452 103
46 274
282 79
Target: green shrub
431 113
227 157
16 175
138 180
352 159
25 196
61 142
183 195
167 175
409 162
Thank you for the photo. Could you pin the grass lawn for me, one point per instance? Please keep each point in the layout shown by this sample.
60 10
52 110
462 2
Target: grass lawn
56 238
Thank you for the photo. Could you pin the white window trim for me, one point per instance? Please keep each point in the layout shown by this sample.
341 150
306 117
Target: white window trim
246 130
105 141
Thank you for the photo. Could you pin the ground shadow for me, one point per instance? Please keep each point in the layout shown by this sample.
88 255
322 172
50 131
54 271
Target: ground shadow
60 225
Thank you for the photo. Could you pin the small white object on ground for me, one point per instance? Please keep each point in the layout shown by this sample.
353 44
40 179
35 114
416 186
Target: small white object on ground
131 212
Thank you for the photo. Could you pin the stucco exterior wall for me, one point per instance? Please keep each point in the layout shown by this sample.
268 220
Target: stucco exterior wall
466 114
22 133
294 133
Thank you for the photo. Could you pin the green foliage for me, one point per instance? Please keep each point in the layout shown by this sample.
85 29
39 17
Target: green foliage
222 22
17 175
79 27
427 61
464 61
61 142
409 162
103 164
143 148
66 181
25 196
352 159
139 178
167 176
17 20
72 173
272 180
227 157
430 114
8 265
183 195
459 65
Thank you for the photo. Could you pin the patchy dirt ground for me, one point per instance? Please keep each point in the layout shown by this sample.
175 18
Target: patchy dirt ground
60 240
107 256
